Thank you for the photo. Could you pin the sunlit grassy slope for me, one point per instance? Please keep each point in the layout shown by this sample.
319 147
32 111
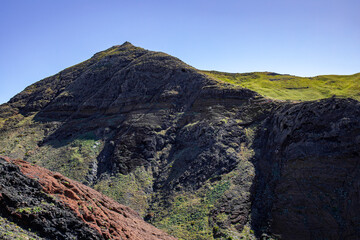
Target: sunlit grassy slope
288 87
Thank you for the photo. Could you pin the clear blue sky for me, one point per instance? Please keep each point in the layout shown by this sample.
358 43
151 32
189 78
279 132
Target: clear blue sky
302 37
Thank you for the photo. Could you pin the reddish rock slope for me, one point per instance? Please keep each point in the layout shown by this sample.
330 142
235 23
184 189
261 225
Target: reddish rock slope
111 219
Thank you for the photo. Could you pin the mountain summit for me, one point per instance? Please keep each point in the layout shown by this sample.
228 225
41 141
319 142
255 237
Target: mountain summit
196 153
118 78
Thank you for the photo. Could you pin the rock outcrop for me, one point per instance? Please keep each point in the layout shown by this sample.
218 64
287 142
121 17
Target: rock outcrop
56 207
308 171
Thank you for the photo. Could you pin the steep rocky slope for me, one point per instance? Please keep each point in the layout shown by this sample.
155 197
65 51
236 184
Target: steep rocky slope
308 171
55 207
195 156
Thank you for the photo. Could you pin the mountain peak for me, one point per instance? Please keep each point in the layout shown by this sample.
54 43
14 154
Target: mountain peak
125 45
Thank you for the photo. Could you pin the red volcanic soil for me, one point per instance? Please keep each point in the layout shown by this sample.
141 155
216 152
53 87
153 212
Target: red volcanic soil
111 219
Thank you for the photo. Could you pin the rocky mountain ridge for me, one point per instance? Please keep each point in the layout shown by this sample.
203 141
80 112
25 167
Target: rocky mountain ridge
195 156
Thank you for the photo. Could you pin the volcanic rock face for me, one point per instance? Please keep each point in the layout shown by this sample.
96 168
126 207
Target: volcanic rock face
197 157
59 208
308 167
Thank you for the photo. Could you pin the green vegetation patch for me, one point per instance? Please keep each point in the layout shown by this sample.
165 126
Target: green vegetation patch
188 215
20 140
77 155
288 87
133 190
30 210
71 157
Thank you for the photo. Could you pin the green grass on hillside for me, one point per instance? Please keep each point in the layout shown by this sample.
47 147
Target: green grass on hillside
131 190
188 216
288 87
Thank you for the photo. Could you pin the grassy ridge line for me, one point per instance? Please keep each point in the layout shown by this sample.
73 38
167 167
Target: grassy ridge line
288 87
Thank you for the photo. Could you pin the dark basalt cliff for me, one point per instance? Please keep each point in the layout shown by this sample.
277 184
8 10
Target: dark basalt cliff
308 171
196 157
